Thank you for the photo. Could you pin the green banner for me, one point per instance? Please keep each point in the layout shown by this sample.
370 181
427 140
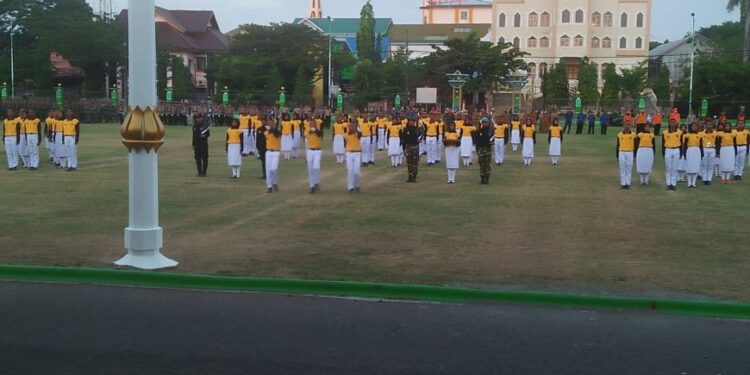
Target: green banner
340 102
113 96
642 104
59 96
397 101
4 92
225 97
579 104
704 107
169 96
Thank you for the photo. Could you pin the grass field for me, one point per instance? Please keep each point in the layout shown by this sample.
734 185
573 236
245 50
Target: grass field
542 228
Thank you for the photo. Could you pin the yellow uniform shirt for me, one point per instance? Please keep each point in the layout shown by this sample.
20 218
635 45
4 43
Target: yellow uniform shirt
257 124
555 131
528 131
11 127
352 142
313 139
234 135
340 129
31 126
468 131
381 122
672 139
459 124
645 140
432 128
366 128
22 128
626 141
740 137
451 136
393 131
244 122
296 125
515 125
500 130
727 139
286 128
709 139
69 127
693 139
50 124
273 143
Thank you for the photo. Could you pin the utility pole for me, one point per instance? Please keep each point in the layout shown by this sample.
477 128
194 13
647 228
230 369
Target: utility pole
692 67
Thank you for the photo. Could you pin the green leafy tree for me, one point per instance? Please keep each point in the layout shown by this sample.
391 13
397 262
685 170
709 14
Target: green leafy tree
588 81
274 83
366 33
368 79
302 87
633 81
660 84
726 40
555 85
744 6
182 80
611 89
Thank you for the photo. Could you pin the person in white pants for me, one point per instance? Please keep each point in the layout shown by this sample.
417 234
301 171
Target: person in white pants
366 128
709 153
353 159
314 137
23 152
742 139
49 136
273 154
644 154
671 150
33 129
71 133
11 138
381 121
624 153
60 152
245 128
501 139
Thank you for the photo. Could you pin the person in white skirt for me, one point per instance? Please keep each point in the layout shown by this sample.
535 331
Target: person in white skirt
555 140
624 154
501 139
709 153
234 146
339 130
644 154
287 136
692 145
727 153
742 139
314 137
33 129
529 140
671 150
393 137
452 142
245 125
467 141
296 135
515 133
381 122
682 163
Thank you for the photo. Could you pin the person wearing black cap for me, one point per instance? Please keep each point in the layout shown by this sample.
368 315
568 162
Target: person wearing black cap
484 137
201 133
411 136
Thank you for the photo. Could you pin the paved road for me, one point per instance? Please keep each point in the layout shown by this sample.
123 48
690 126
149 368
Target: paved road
72 329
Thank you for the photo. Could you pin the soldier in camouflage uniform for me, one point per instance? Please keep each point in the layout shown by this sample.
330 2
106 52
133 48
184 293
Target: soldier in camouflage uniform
483 139
411 136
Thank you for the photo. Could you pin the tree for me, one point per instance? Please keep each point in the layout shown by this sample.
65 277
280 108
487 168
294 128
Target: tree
366 33
368 79
555 86
302 87
588 81
274 83
633 81
182 80
744 6
725 39
611 89
660 83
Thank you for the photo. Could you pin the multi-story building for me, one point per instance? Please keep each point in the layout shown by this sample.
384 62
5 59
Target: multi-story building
456 11
606 31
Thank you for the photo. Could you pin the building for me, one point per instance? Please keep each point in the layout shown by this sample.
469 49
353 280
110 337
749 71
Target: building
456 11
421 40
344 30
191 35
676 55
606 31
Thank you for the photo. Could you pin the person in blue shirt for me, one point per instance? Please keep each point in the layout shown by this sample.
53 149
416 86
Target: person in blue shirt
592 122
604 121
568 121
580 120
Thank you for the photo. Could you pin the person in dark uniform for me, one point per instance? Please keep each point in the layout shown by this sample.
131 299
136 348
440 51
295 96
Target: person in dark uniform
260 146
201 132
483 138
411 136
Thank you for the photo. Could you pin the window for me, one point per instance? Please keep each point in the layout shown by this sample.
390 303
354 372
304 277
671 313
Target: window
517 20
572 72
595 43
578 41
544 42
596 19
624 20
607 19
638 43
501 41
531 69
464 15
545 19
564 41
542 69
533 19
531 43
501 20
623 43
579 16
566 16
516 42
606 43
639 20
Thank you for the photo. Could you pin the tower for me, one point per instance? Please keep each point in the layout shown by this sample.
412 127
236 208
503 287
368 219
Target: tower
105 9
316 11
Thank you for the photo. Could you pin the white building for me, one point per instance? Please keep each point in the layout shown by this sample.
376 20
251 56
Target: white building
456 12
676 55
422 40
607 31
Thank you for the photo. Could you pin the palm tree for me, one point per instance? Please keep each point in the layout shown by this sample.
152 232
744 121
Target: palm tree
744 6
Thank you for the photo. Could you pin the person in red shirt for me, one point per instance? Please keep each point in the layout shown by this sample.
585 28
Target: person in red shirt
675 115
656 121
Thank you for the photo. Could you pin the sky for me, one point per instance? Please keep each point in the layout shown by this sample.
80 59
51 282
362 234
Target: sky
671 18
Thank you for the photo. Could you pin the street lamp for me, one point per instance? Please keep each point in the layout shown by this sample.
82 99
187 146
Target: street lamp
516 81
330 66
457 81
692 67
12 68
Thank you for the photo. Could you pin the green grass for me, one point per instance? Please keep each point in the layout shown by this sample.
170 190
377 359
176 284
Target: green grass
545 228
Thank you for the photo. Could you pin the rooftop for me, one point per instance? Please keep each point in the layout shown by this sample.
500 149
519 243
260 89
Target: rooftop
345 25
422 33
187 30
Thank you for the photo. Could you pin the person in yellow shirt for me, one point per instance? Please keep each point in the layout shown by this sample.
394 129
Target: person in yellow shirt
555 140
742 139
381 123
296 135
515 133
452 142
273 154
529 140
467 141
314 138
671 150
692 146
49 136
624 154
287 136
431 129
353 146
727 152
33 130
60 149
11 138
501 139
234 146
339 130
393 135
645 147
23 152
245 125
682 164
709 152
71 136
366 128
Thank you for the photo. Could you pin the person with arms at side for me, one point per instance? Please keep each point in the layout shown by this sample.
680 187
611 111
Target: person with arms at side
742 139
645 148
431 127
656 121
314 136
339 130
201 133
411 137
12 138
483 140
692 146
624 153
568 122
452 142
580 121
640 121
604 121
260 145
296 135
529 140
677 118
33 130
245 129
273 136
72 134
23 152
709 152
287 136
671 150
592 122
353 146
49 136
367 142
727 145
555 140
234 146
515 133
501 139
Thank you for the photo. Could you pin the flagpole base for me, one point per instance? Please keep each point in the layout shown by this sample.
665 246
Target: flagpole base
146 260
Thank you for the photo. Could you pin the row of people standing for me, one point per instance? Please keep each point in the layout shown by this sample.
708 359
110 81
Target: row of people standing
23 135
